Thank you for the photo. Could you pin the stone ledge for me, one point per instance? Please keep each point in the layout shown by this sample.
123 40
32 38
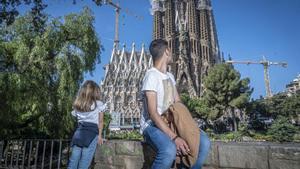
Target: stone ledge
237 156
122 154
285 153
129 148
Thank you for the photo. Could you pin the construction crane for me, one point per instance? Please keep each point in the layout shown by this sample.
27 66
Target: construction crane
117 9
266 64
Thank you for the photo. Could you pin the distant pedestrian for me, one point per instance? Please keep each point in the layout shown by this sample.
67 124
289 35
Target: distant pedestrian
88 109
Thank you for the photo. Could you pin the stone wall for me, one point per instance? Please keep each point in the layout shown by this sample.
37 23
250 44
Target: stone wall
120 154
248 155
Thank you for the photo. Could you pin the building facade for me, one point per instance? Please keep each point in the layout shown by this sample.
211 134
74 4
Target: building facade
120 86
189 28
293 87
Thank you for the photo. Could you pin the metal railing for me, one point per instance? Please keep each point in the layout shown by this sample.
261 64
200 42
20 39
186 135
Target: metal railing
34 153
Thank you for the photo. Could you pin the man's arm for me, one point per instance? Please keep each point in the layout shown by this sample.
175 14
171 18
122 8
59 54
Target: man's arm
156 118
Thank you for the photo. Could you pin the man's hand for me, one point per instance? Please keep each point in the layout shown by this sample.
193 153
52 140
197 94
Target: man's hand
181 146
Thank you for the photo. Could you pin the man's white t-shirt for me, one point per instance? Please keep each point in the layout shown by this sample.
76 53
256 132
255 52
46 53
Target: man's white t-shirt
164 86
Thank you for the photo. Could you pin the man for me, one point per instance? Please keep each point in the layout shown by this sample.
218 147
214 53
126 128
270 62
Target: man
159 93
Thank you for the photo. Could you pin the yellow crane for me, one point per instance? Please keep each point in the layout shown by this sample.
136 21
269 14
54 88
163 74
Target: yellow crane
266 64
117 9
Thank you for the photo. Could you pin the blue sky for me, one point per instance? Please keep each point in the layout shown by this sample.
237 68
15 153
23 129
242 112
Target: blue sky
247 30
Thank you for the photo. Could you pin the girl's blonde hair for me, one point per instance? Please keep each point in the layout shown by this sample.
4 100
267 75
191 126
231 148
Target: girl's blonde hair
87 95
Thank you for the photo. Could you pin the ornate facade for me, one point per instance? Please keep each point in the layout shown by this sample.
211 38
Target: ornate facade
121 84
189 28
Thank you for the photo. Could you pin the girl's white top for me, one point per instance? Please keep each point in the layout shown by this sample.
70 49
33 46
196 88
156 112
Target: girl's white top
91 116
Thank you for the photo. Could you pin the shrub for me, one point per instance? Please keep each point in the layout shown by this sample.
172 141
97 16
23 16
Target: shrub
257 125
297 137
107 119
126 135
282 130
262 137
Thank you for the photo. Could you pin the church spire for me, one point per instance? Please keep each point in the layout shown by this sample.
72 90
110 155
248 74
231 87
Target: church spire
204 4
157 13
189 28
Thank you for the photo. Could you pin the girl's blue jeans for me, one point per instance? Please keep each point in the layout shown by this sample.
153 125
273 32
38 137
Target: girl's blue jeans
81 157
166 148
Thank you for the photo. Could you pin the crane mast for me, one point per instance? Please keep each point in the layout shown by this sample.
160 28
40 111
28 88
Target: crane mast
266 64
117 15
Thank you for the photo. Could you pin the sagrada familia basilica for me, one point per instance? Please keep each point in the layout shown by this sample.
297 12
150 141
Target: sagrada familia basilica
189 28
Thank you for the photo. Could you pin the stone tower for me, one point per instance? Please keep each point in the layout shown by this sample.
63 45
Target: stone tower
189 28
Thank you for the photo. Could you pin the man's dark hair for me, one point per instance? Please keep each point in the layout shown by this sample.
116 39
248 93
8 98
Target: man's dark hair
157 48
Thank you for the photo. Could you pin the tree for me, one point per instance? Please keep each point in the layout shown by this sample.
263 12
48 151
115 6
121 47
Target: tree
9 11
278 105
48 66
282 105
197 106
282 130
224 91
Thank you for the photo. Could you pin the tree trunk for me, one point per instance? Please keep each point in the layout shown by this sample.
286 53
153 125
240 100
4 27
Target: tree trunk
234 124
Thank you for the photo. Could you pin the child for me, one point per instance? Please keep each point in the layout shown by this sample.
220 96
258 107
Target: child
88 110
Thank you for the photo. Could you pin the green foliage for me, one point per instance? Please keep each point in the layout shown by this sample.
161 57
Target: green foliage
197 106
107 118
297 137
232 136
262 137
260 106
282 130
229 136
282 105
243 129
257 125
279 105
225 91
224 88
126 135
48 67
9 12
